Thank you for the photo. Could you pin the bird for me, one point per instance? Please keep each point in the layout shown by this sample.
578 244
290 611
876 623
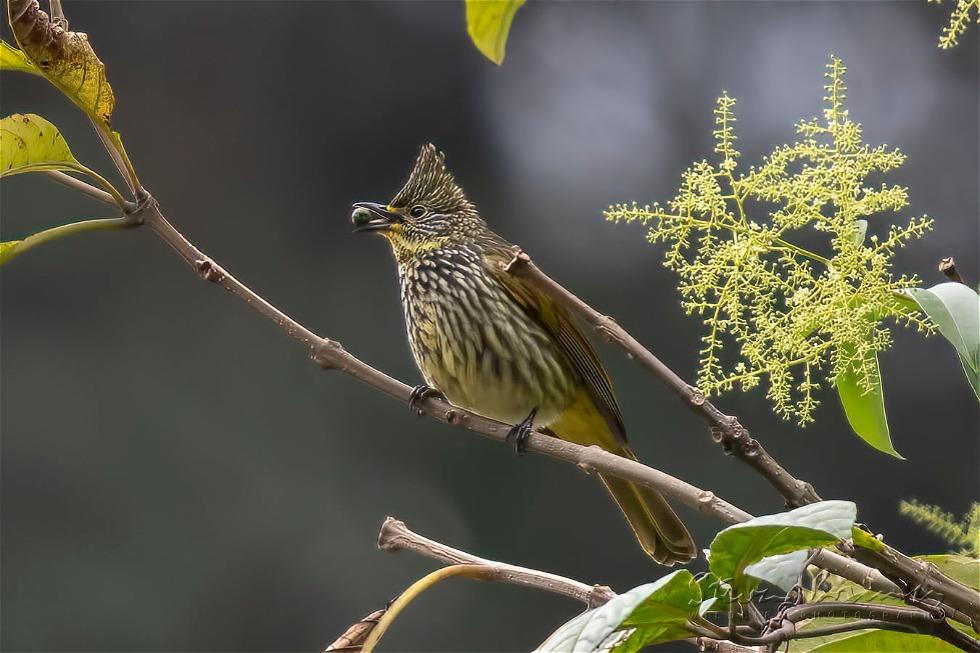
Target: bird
497 345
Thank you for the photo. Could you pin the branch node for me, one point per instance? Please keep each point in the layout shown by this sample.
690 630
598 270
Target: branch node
453 417
601 594
324 352
717 434
391 530
586 468
948 267
735 428
695 396
209 270
706 497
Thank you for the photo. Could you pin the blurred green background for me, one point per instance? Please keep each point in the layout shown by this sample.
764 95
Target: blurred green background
176 475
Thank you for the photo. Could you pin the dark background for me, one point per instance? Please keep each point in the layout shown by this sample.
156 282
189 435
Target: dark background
176 475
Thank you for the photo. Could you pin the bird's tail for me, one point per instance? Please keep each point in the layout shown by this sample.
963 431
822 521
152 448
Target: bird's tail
658 529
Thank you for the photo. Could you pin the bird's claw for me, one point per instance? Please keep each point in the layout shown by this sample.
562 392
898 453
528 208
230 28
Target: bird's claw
519 433
419 394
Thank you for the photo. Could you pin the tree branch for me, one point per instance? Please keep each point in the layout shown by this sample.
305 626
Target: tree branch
725 429
330 354
735 439
395 536
888 617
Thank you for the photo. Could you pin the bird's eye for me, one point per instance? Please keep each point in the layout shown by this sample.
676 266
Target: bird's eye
417 211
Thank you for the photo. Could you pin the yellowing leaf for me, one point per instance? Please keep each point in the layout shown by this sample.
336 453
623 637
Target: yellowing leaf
65 58
6 249
488 23
29 143
13 59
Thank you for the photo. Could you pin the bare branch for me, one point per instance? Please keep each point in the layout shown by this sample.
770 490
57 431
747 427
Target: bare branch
395 536
725 429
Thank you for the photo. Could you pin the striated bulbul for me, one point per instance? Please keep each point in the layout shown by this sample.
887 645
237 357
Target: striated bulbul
496 345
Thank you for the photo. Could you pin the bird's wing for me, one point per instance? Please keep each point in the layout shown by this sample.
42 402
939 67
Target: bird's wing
557 322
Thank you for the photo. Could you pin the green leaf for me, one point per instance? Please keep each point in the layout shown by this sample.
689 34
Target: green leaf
65 58
714 588
865 410
783 571
866 540
960 568
739 546
955 308
488 23
834 588
645 615
867 641
13 59
29 143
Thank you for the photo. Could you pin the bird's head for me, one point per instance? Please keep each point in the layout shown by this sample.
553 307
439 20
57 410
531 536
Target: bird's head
428 213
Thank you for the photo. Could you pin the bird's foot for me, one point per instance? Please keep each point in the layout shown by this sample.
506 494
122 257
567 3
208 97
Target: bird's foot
519 433
419 394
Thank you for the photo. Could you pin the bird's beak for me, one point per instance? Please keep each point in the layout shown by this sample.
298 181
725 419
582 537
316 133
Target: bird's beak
368 216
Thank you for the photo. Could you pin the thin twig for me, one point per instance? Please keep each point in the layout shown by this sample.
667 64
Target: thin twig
395 536
725 429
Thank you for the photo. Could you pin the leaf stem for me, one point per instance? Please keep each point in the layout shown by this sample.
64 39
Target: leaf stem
117 197
477 572
55 233
114 147
88 189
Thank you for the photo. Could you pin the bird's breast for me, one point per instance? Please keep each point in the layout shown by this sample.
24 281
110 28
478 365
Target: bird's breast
477 346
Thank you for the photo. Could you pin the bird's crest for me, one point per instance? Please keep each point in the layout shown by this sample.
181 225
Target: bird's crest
432 185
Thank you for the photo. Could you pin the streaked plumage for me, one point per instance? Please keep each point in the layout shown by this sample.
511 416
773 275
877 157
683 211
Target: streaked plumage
494 344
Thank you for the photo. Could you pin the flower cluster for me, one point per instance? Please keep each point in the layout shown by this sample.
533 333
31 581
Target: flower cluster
773 309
